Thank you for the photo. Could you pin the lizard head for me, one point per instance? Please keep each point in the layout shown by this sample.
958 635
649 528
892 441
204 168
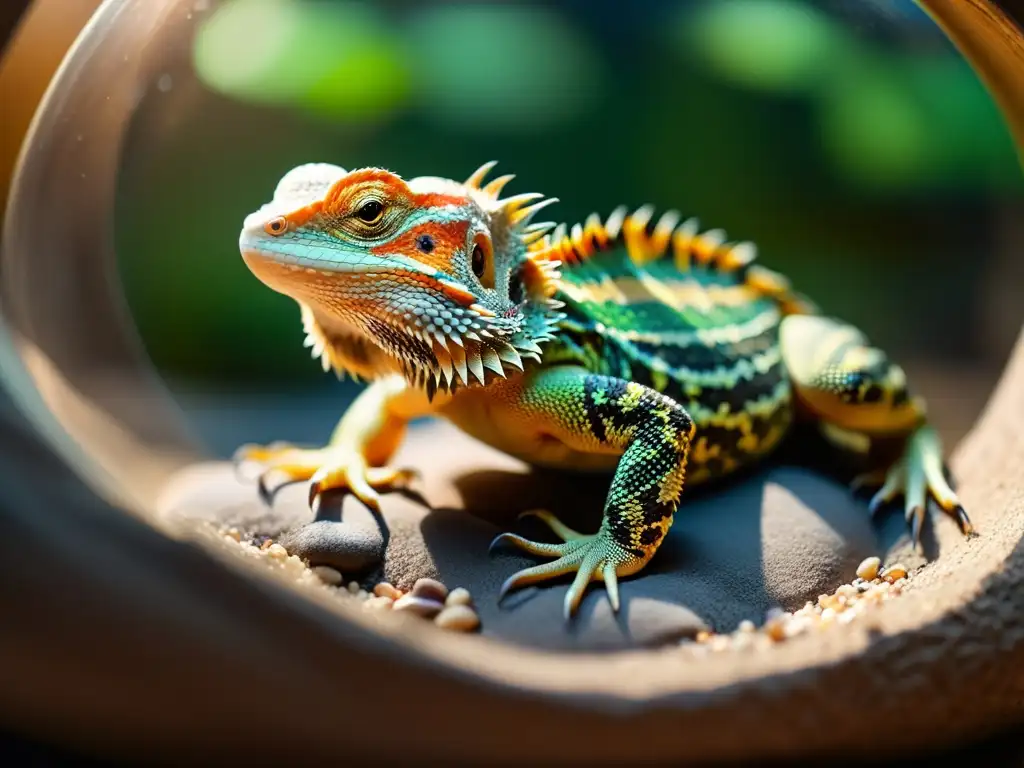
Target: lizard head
430 277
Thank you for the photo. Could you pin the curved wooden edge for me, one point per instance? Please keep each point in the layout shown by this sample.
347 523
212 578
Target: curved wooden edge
169 640
71 357
990 40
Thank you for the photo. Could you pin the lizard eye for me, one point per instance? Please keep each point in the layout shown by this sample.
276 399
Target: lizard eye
370 211
276 226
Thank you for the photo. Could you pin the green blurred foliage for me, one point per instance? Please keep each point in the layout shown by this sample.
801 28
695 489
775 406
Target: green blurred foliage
340 60
854 146
775 45
501 68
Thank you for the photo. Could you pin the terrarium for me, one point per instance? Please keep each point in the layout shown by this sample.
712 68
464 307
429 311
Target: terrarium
866 148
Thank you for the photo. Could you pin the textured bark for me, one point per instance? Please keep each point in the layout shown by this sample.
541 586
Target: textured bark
124 636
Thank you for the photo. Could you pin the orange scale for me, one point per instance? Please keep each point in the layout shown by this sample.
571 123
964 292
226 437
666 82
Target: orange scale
448 237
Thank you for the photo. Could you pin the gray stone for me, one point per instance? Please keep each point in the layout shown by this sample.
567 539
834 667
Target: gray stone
347 548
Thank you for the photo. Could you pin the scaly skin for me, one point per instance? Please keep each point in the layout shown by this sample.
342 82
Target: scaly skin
643 346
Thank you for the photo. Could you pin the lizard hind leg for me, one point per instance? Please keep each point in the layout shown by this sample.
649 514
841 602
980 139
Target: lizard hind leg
853 388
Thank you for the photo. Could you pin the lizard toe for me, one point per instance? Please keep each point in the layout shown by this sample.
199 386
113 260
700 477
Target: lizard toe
348 471
919 476
591 557
328 469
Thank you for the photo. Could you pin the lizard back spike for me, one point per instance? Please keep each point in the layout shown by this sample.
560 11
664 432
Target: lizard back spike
477 177
494 187
646 239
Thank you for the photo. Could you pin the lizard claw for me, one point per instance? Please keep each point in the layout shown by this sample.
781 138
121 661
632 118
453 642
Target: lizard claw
266 495
349 472
966 527
328 469
591 557
919 475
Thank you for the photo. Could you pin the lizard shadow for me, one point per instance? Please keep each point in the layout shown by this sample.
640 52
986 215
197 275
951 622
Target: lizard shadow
459 540
776 535
491 500
807 449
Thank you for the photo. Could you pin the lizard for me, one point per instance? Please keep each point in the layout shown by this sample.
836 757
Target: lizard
636 345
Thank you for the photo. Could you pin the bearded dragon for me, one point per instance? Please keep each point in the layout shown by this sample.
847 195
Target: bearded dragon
634 344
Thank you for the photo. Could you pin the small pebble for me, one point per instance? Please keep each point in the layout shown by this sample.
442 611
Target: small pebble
776 629
266 544
420 606
328 575
430 589
824 601
459 596
797 626
379 602
894 572
719 642
234 533
458 617
353 587
743 640
277 552
841 607
868 569
384 589
775 613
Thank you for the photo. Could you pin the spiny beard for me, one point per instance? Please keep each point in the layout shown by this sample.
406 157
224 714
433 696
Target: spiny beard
433 360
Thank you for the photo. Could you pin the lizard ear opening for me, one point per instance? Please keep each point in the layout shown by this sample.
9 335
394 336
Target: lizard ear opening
482 260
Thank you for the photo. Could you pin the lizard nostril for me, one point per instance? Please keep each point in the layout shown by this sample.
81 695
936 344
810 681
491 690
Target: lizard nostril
425 243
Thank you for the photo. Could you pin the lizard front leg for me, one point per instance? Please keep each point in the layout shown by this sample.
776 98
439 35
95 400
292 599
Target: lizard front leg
356 457
592 413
